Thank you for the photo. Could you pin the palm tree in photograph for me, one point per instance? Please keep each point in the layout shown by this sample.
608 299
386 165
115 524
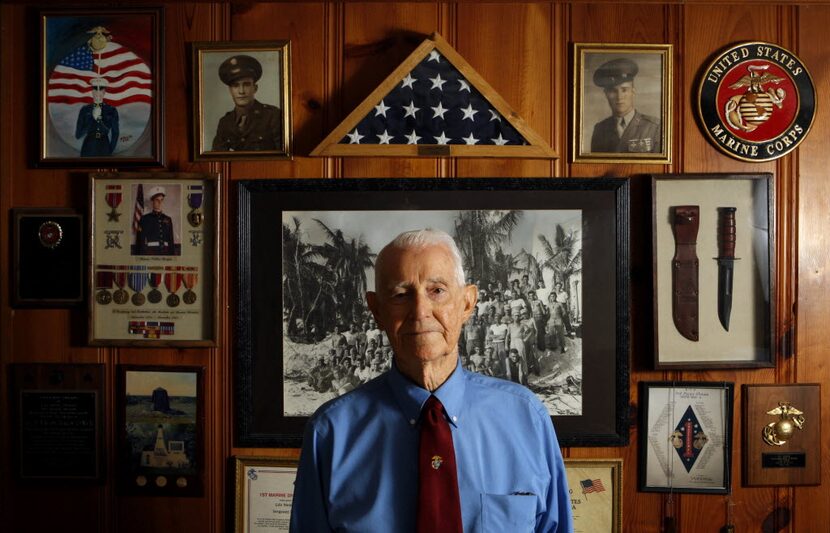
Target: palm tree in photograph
347 260
479 236
308 286
562 257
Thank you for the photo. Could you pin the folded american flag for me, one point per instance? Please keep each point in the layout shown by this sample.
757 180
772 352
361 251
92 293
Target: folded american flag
434 104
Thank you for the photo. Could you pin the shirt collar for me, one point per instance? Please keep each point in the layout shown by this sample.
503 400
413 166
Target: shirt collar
411 397
628 117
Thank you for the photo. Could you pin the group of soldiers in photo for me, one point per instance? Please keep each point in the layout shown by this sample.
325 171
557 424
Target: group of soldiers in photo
516 331
511 334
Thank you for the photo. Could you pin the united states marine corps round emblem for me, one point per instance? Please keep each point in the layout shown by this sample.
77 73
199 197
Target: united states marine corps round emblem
756 101
437 460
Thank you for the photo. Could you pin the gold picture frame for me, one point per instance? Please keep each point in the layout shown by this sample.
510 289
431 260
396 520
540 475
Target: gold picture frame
263 494
635 81
221 131
154 259
602 478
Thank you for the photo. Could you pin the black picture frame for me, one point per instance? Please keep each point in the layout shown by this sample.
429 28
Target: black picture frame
119 50
695 421
603 204
750 340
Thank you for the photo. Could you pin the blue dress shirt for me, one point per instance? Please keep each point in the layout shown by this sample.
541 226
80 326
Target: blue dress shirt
358 468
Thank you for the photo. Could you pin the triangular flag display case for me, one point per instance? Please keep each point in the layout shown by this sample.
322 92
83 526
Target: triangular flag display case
435 105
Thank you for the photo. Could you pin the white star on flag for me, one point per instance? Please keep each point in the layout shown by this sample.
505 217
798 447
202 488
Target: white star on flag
384 138
437 82
494 116
434 56
411 110
499 141
408 81
442 139
468 112
381 109
464 85
470 140
354 137
412 138
439 111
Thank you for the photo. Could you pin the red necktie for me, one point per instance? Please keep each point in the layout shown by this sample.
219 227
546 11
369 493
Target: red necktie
439 505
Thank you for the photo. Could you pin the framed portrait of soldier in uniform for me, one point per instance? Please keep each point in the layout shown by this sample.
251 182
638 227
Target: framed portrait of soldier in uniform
101 97
154 250
242 100
622 103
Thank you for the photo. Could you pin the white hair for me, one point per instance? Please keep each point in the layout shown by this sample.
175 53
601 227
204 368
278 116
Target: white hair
421 238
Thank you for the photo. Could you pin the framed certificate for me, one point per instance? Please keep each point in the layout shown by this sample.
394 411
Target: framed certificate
596 494
154 254
264 492
686 437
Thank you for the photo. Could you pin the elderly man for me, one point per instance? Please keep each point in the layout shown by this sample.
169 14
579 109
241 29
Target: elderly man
429 446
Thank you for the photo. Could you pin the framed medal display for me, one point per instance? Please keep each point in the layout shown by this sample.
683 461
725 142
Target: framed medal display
154 252
48 257
714 265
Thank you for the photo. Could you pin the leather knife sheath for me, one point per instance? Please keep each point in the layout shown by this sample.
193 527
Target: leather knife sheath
685 225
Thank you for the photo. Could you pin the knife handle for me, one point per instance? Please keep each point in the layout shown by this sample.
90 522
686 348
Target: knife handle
727 232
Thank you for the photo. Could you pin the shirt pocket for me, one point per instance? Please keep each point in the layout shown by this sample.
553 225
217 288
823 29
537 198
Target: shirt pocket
501 513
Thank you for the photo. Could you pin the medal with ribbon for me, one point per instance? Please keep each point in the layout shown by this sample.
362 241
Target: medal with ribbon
172 280
154 296
120 296
194 200
113 198
137 280
190 279
103 283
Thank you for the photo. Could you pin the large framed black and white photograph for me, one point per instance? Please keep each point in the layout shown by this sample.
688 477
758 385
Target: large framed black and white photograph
714 270
686 436
549 258
622 103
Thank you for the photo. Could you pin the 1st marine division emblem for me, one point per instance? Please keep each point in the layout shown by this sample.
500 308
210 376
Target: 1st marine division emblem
756 101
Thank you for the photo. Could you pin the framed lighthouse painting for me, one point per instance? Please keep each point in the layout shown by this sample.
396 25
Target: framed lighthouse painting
161 430
100 88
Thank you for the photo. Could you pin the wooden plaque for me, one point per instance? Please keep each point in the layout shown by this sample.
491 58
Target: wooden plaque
798 460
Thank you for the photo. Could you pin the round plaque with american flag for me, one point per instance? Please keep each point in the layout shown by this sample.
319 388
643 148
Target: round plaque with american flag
756 101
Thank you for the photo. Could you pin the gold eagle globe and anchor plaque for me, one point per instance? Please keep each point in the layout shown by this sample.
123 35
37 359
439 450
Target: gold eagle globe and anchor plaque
756 101
782 434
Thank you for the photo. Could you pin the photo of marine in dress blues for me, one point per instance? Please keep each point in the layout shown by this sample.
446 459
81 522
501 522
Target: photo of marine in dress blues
157 221
527 325
99 78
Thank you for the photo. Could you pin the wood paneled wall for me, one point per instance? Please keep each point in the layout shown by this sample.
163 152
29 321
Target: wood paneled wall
341 52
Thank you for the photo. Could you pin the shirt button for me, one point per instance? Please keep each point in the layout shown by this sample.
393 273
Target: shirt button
455 419
411 421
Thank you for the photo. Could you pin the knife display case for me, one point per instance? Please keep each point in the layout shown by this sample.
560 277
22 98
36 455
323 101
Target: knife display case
713 250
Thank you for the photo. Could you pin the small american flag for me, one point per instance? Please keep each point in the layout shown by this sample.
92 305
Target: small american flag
138 211
434 104
589 485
